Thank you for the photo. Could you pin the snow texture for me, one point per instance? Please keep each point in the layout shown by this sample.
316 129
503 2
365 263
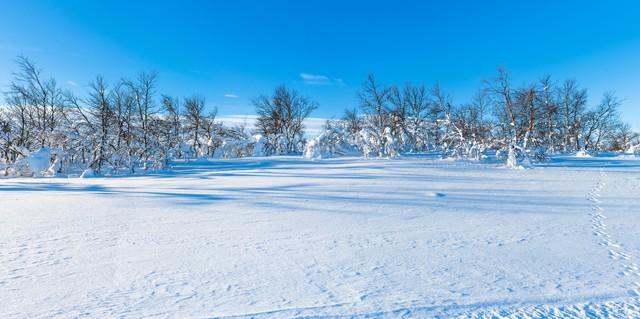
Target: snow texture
286 237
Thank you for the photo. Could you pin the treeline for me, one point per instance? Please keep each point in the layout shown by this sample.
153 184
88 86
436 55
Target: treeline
125 127
521 123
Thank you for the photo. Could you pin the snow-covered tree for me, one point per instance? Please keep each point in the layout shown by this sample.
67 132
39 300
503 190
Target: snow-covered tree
280 119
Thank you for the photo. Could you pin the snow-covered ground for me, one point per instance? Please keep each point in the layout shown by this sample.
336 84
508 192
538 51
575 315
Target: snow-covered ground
286 237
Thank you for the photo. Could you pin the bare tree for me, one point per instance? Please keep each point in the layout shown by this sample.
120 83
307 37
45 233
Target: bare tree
374 100
143 90
547 102
194 117
354 123
100 120
470 127
280 119
501 91
173 113
601 123
7 138
38 103
526 114
440 109
122 101
572 106
417 101
20 115
211 129
398 112
624 139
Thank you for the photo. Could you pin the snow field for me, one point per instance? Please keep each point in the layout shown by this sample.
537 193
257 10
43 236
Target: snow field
286 237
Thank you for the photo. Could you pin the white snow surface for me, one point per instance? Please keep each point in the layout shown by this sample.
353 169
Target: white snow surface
285 237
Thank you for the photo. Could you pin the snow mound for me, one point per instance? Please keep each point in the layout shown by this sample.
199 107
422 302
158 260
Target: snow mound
43 162
582 154
39 161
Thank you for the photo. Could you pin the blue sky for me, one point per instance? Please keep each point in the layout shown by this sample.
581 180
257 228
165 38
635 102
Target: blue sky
231 51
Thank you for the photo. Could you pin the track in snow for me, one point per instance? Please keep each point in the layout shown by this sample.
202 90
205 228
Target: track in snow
616 250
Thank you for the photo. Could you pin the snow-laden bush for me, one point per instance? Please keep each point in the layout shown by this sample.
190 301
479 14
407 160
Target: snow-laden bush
39 162
632 149
368 142
233 148
44 162
329 143
259 146
583 154
517 158
313 149
391 145
338 140
371 143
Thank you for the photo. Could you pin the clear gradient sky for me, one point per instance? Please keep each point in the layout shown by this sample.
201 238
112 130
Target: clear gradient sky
231 51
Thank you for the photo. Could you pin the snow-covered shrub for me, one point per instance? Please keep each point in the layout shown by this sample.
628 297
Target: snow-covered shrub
232 149
512 158
335 140
390 143
258 148
43 162
39 162
476 151
582 153
338 139
280 119
517 158
329 143
313 148
368 142
236 148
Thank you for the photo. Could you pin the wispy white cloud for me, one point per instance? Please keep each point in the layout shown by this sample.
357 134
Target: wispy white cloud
314 77
72 83
231 96
318 79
